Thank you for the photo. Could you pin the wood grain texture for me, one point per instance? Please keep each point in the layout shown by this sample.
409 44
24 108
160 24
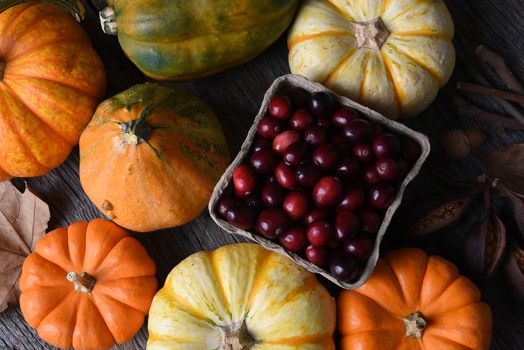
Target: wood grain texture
235 96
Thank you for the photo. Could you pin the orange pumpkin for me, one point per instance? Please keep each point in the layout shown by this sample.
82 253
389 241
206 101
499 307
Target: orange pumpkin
88 286
51 80
413 301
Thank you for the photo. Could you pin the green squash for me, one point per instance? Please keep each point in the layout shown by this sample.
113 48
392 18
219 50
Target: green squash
189 39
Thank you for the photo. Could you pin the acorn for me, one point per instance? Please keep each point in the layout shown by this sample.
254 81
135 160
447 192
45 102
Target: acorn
458 144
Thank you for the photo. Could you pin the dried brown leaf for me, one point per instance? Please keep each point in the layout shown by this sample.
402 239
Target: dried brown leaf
23 221
507 165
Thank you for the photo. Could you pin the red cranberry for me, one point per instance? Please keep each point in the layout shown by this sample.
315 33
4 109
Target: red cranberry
285 176
348 168
386 146
273 195
294 239
381 195
296 205
262 144
268 127
341 143
280 107
342 116
387 169
264 162
284 140
344 268
353 199
299 97
371 176
324 122
358 131
378 129
271 223
347 225
319 232
410 150
327 191
225 204
325 156
370 220
360 248
315 135
270 179
315 215
317 255
241 216
301 120
364 153
244 179
295 154
254 201
308 174
334 244
322 104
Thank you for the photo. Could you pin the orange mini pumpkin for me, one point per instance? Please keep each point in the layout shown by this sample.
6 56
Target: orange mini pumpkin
88 286
413 302
51 80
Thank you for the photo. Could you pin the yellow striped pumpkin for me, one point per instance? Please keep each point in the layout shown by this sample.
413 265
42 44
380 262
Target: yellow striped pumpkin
241 297
391 55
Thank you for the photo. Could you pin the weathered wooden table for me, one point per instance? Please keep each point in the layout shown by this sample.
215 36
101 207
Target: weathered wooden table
235 96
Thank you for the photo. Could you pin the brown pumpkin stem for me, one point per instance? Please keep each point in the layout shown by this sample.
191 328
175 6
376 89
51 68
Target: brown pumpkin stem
372 34
137 131
235 337
83 282
2 70
415 325
74 7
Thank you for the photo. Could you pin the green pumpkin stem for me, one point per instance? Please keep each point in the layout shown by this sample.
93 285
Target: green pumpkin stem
415 325
74 7
84 282
137 131
108 20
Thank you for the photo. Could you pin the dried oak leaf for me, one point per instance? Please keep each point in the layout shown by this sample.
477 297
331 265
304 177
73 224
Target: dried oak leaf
23 221
507 164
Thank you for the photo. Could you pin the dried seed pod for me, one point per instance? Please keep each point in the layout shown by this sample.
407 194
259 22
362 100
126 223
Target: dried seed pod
514 272
458 144
516 203
484 247
434 215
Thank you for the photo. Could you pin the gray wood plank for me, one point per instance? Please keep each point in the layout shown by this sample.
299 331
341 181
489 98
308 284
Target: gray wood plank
235 96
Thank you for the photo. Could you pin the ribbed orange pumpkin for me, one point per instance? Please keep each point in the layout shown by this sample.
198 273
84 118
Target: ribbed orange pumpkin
88 286
414 302
51 81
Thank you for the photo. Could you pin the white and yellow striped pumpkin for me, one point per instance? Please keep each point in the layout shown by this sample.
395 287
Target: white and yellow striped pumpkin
241 296
391 55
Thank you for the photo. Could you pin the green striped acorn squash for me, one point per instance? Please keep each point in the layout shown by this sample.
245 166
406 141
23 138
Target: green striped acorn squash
189 39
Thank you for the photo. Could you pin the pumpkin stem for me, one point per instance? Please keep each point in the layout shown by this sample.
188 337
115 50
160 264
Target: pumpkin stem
83 282
137 131
415 325
2 70
371 34
74 7
235 337
108 20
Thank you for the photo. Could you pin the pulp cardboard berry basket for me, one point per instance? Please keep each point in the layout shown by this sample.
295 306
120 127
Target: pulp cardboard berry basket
280 85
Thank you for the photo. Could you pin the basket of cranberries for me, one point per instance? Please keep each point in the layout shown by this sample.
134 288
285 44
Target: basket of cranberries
318 179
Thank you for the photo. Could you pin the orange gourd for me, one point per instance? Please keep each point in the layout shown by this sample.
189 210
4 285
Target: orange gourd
414 302
87 286
51 80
